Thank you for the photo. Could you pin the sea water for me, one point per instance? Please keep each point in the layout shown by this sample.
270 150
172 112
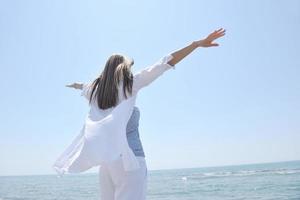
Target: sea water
270 181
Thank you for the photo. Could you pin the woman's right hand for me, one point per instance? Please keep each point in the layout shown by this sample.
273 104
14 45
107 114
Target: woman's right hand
208 41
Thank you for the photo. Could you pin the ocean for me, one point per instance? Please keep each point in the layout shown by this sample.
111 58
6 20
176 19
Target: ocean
272 181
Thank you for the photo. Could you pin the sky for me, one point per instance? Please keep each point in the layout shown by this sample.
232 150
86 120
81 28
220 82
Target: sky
233 104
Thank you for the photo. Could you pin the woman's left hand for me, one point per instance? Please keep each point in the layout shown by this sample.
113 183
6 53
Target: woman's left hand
75 85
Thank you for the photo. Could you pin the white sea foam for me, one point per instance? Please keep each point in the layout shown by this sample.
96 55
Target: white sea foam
245 173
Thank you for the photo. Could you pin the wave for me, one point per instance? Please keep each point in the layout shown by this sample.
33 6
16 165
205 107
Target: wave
242 173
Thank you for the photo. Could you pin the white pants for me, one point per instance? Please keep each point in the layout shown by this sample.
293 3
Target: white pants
118 184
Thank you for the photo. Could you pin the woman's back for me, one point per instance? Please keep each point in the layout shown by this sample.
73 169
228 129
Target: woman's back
140 79
132 129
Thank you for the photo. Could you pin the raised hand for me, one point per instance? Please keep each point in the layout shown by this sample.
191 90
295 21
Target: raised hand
75 85
208 41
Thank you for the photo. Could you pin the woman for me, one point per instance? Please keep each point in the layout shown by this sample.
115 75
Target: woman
115 84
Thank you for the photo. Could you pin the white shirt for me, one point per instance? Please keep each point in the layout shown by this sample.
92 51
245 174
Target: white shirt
102 138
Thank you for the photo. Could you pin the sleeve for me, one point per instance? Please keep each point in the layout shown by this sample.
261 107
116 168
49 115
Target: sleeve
86 90
147 75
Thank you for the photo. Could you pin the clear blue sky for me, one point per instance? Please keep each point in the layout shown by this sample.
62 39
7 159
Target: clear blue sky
234 104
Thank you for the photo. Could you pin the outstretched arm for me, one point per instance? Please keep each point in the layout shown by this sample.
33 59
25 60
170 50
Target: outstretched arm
207 42
78 86
147 75
84 87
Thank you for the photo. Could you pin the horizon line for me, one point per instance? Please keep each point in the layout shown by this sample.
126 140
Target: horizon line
163 169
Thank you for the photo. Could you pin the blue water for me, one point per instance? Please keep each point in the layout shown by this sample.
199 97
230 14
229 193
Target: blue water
260 181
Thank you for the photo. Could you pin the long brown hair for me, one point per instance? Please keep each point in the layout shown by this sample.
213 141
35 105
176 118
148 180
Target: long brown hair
105 87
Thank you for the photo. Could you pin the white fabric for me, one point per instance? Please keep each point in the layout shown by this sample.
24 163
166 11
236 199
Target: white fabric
102 138
118 184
